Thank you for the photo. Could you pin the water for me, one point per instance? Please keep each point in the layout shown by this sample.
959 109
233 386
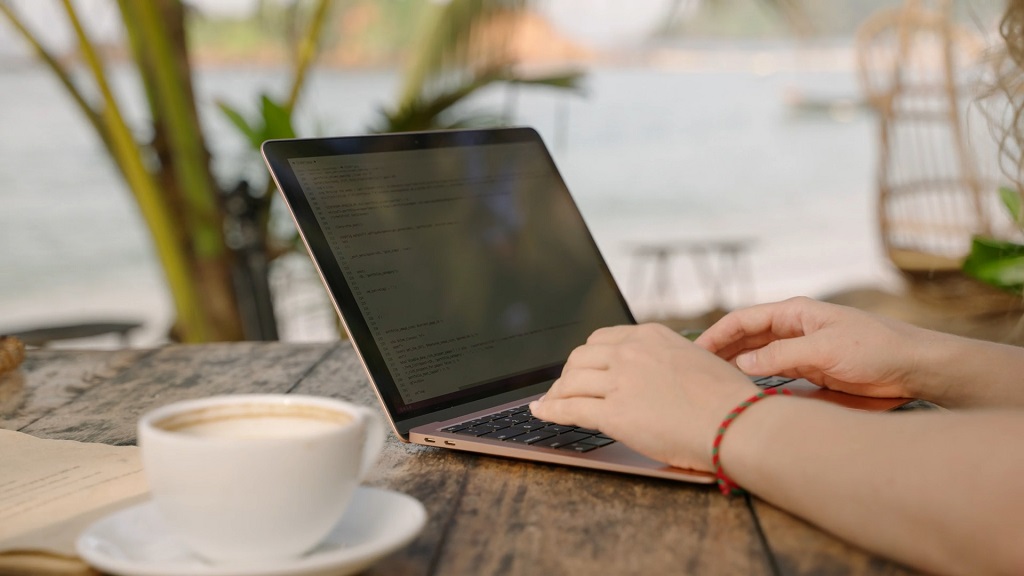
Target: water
650 155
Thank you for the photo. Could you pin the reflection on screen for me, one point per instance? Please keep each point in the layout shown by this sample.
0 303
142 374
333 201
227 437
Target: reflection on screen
469 264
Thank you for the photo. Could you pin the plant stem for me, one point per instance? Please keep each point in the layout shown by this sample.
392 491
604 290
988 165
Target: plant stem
308 49
154 208
173 97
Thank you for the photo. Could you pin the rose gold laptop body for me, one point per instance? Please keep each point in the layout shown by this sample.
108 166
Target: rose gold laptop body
464 275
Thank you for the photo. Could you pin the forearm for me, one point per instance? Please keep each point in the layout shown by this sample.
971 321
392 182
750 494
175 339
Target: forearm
962 373
937 491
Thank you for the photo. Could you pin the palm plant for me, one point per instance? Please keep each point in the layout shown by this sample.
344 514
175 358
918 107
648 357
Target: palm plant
450 62
213 242
217 283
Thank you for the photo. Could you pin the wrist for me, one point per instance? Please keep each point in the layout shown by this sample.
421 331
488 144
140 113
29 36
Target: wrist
935 358
744 427
958 372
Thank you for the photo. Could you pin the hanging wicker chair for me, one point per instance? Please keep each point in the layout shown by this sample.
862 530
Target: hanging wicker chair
937 185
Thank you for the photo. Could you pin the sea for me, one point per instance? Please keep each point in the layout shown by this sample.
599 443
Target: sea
767 146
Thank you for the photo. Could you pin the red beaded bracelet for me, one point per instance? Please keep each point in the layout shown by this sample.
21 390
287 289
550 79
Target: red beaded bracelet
726 484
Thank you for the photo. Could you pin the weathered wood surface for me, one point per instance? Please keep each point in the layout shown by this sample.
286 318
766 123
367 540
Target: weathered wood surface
487 515
799 548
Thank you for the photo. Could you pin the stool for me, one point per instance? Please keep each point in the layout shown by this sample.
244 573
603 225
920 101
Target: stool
722 266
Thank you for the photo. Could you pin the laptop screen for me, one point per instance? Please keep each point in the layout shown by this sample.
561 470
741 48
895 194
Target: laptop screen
458 260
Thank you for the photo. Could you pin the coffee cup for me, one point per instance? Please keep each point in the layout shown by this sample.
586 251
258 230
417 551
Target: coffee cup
256 478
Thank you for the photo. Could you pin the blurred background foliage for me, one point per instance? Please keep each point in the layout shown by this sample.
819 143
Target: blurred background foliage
213 239
214 235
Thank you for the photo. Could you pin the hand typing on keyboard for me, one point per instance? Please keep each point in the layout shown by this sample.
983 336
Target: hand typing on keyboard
646 386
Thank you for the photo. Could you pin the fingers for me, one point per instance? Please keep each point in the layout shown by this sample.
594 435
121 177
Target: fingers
754 327
584 412
730 352
782 357
736 326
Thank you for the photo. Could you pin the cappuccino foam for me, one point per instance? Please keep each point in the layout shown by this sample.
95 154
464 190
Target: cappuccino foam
259 427
255 421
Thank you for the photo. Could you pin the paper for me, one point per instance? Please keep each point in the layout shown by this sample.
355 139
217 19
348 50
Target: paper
50 490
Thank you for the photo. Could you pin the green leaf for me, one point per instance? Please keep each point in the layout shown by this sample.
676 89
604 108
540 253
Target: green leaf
572 81
998 263
443 46
433 111
1004 274
277 120
239 121
1012 201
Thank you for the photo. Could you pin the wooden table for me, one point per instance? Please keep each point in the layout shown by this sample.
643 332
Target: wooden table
487 515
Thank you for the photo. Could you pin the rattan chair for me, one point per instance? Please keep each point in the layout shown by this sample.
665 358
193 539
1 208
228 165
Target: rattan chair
937 185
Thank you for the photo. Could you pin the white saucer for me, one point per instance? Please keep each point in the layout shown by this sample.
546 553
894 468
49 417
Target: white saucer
135 541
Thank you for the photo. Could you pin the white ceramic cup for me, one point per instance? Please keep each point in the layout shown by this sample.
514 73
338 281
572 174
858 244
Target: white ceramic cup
254 478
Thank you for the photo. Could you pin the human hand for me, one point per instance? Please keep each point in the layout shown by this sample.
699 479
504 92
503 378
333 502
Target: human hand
649 388
833 346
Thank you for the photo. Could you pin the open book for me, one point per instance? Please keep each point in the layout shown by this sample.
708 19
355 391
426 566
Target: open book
50 490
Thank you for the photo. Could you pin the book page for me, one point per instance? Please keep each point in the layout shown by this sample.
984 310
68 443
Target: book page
50 490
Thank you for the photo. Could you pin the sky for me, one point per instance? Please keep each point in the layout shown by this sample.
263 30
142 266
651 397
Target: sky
597 23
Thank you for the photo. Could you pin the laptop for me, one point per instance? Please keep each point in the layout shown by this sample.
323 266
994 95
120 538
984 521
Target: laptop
464 275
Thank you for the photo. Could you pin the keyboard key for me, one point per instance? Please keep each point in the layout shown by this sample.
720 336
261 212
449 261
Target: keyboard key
558 428
476 431
455 428
579 447
597 441
588 431
532 425
532 437
561 439
515 430
772 381
504 434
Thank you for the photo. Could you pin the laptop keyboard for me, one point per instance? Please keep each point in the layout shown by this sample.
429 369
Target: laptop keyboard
518 425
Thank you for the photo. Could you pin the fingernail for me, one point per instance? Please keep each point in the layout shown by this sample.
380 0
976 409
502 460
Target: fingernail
746 361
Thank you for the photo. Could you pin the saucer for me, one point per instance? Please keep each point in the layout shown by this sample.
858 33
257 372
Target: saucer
136 541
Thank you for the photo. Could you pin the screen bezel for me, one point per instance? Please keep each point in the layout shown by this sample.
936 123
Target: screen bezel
277 154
